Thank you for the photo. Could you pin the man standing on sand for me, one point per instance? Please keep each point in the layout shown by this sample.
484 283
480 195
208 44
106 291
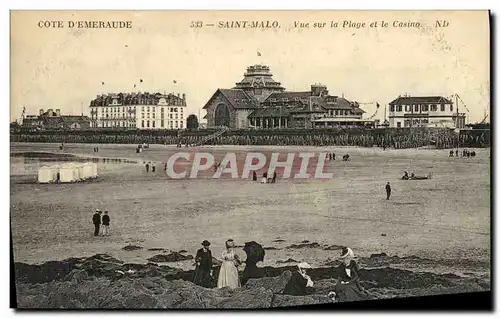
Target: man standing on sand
105 224
96 219
388 190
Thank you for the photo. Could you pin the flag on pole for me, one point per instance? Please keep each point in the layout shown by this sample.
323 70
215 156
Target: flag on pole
140 81
258 53
102 83
175 82
135 86
378 105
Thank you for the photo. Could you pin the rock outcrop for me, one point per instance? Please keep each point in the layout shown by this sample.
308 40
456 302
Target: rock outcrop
102 281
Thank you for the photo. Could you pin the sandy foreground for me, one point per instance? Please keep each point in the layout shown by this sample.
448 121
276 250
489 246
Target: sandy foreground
446 219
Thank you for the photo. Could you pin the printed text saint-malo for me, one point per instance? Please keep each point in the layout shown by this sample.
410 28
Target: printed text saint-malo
248 24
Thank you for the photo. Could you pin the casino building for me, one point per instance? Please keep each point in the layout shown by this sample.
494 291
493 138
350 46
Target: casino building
258 101
138 111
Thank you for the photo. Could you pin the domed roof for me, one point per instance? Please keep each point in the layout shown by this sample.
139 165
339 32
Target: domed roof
258 76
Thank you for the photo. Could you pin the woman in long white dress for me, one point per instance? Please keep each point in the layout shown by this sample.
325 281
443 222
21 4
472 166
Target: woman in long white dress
228 275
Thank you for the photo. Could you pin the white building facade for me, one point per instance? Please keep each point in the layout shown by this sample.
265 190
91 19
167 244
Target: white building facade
424 111
139 111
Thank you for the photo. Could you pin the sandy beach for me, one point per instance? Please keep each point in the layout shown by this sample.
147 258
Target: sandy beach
446 218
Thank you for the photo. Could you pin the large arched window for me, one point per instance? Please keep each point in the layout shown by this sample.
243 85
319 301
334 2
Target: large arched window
222 115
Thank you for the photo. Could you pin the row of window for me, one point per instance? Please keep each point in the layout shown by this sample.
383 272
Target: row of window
413 123
147 101
284 99
148 108
337 112
118 124
144 124
417 108
267 122
128 116
162 116
152 124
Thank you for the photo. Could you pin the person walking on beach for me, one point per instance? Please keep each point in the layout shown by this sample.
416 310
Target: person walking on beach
264 178
228 275
388 190
105 224
274 177
147 167
254 176
153 167
203 271
96 219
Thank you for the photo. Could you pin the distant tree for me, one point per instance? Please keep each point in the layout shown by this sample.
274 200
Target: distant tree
192 122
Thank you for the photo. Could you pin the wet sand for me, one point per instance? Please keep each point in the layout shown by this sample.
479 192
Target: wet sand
446 218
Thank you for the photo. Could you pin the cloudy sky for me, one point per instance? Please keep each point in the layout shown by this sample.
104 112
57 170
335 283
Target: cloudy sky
63 67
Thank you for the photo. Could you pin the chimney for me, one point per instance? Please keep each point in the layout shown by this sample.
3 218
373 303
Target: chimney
58 112
40 112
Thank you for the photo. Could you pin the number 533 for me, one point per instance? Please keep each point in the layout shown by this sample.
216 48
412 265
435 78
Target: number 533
196 24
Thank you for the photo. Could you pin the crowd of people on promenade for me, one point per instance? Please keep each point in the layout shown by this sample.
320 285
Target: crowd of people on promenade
347 288
389 138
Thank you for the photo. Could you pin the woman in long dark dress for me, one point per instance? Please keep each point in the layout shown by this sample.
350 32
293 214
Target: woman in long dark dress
348 287
203 272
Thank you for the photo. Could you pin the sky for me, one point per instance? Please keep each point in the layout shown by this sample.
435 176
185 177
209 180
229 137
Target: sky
63 68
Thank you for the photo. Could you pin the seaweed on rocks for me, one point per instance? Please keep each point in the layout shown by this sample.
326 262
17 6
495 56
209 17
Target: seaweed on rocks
157 249
333 247
304 245
172 257
131 248
278 241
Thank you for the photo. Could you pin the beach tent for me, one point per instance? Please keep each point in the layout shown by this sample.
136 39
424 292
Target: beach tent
79 168
54 170
45 175
66 173
87 170
94 170
74 169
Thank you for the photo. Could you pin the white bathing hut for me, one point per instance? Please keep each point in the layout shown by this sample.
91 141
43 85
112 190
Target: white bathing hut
76 171
79 168
45 175
94 170
54 170
87 170
66 173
